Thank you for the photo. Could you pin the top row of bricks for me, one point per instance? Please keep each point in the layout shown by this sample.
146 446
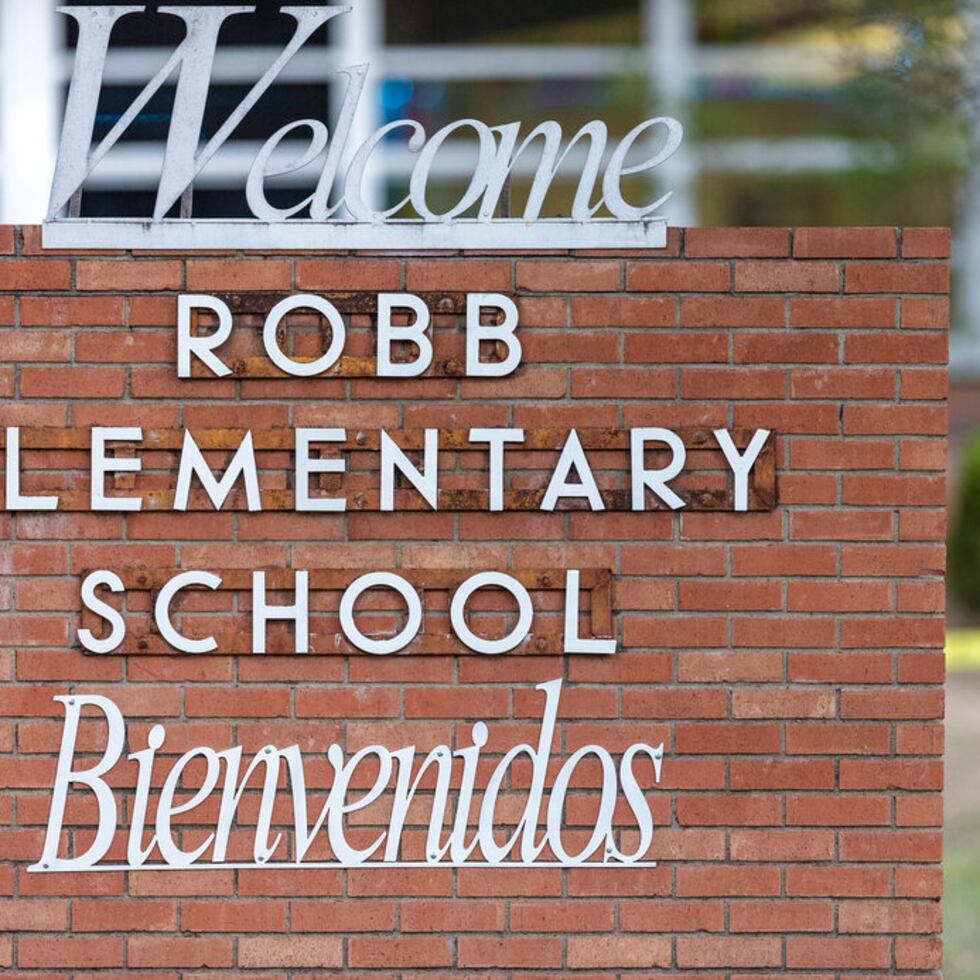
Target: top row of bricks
728 243
817 243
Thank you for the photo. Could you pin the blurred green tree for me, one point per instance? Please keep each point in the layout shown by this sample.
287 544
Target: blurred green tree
964 536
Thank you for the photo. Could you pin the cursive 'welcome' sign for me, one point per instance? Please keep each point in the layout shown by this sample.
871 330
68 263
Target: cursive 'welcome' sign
336 214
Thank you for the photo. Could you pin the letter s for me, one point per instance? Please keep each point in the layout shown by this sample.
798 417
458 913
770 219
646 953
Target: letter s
637 801
92 602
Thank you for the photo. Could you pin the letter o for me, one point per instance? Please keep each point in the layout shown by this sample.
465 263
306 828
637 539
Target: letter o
457 613
337 340
607 804
478 182
375 580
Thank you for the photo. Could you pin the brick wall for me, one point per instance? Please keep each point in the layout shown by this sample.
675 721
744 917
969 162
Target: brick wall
790 660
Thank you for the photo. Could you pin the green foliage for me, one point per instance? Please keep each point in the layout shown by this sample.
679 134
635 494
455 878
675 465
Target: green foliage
964 542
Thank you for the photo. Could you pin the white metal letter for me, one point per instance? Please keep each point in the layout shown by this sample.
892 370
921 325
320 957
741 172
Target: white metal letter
477 333
201 347
573 642
497 439
482 580
161 612
307 369
92 778
572 457
616 170
298 613
192 462
414 333
655 480
14 499
91 601
376 580
741 464
101 466
306 466
392 458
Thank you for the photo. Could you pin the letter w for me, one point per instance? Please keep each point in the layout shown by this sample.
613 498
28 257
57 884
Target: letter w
193 59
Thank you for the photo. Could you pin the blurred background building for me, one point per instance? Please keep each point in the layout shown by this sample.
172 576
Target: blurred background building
834 112
797 112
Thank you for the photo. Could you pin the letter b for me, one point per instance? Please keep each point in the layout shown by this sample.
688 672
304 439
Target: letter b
92 778
476 334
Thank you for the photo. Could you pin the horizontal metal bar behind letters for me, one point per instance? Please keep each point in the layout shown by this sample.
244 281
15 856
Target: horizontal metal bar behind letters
397 235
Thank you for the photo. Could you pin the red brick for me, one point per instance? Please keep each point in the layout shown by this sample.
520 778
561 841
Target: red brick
678 277
907 348
742 880
211 275
76 952
374 952
748 774
891 774
732 311
618 952
918 954
623 311
781 917
929 384
72 311
723 383
508 952
831 953
349 274
787 277
890 846
837 881
97 275
34 274
72 382
290 952
711 951
845 243
733 243
623 383
32 915
582 277
181 951
846 383
695 348
781 845
36 346
838 811
835 738
837 526
842 312
895 277
926 243
890 917
786 348
437 274
839 597
925 313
